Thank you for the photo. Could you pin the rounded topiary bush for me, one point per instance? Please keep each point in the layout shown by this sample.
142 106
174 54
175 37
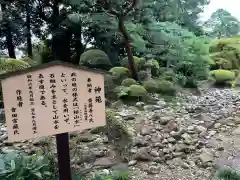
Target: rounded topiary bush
222 76
166 87
168 75
151 86
139 62
119 73
95 58
128 82
9 64
137 91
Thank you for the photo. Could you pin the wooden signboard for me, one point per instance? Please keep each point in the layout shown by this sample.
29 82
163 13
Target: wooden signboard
52 99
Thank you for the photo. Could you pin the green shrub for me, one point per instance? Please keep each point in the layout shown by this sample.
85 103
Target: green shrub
139 62
119 73
222 76
95 58
128 82
166 87
151 86
22 167
9 64
193 70
168 75
137 91
227 174
226 53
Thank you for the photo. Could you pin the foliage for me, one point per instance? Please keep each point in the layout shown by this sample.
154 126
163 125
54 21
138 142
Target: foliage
166 87
117 128
154 66
119 73
8 64
95 58
151 86
137 91
21 167
222 76
227 174
222 24
128 82
139 62
226 53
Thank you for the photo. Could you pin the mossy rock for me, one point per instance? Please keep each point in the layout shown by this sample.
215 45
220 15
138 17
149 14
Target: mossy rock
95 58
166 87
128 82
151 86
119 73
222 76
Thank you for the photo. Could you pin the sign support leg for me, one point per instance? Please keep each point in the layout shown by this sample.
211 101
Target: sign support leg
63 156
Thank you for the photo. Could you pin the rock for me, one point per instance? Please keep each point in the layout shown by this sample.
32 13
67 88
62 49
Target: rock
156 116
3 129
165 120
132 163
140 141
104 162
237 120
236 131
139 104
201 129
176 135
145 131
40 141
129 117
86 138
3 137
154 153
187 139
231 163
143 155
206 157
171 140
171 126
217 125
153 170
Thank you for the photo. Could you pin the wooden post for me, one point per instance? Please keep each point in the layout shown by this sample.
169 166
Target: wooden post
63 154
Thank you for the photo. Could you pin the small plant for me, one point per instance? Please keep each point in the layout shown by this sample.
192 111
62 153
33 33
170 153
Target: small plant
22 167
227 174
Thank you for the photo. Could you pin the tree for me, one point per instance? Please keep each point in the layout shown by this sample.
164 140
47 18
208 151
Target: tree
121 11
222 24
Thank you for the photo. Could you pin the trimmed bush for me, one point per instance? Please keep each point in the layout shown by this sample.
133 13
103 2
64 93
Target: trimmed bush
139 62
226 53
151 86
169 75
119 73
9 64
128 82
222 76
95 58
137 91
166 87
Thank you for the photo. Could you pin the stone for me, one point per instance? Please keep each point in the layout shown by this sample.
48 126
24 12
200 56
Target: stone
176 135
217 125
165 120
86 138
201 129
154 153
236 131
171 140
206 157
171 126
3 137
156 116
143 155
132 163
104 162
129 117
145 131
140 141
237 120
153 170
139 104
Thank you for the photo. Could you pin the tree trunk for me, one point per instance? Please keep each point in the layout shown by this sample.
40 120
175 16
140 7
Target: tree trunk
9 37
79 48
29 36
127 42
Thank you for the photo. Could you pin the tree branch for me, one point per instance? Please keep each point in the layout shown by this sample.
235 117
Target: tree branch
131 6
